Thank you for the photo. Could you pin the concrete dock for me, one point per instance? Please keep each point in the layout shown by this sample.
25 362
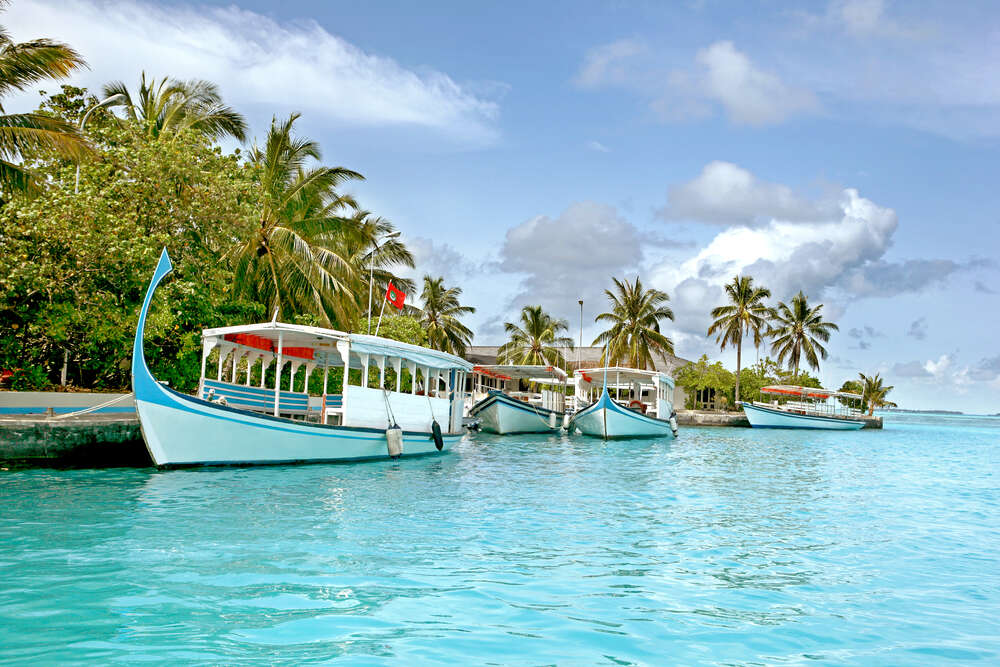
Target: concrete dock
93 440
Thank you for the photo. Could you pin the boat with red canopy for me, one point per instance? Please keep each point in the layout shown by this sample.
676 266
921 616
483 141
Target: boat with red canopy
805 407
263 402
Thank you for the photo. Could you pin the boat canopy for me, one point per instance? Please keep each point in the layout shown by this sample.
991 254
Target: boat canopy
320 346
806 392
539 374
619 374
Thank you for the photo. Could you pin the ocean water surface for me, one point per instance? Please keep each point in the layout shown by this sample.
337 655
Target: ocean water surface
726 546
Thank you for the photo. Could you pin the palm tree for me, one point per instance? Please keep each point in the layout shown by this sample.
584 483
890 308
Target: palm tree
170 106
376 250
745 313
299 259
22 135
874 392
635 324
440 317
797 330
535 340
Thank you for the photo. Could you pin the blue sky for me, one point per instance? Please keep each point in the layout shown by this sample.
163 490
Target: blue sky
530 151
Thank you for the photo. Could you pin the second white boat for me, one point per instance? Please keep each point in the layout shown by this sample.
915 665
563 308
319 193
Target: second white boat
649 413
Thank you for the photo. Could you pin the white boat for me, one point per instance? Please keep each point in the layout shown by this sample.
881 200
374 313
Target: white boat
648 413
242 422
510 411
807 407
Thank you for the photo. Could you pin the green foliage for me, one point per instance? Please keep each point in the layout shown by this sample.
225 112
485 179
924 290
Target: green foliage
74 267
702 375
535 339
875 391
24 136
440 316
403 328
634 334
745 313
798 331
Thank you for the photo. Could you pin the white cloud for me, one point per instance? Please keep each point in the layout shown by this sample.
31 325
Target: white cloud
257 61
598 146
570 257
750 95
609 63
836 257
721 76
725 193
437 259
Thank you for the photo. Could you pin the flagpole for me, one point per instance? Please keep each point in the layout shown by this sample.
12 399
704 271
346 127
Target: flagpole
380 311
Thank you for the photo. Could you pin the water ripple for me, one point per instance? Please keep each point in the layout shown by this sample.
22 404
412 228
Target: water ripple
727 546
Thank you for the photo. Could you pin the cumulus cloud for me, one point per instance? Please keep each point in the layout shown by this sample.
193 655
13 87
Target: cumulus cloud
721 76
987 370
910 369
725 193
750 95
258 61
837 256
609 64
567 258
438 259
918 328
864 336
983 288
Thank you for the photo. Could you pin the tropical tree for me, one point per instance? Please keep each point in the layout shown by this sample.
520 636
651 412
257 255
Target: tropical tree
24 135
635 324
798 331
874 392
298 259
745 313
375 250
168 106
440 317
535 340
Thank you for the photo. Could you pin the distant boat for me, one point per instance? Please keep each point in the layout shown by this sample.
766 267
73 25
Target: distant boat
809 407
233 422
517 412
649 412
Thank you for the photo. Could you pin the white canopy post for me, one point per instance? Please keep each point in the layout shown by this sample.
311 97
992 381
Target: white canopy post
277 371
326 375
412 366
344 348
305 382
365 358
380 362
397 364
265 363
206 349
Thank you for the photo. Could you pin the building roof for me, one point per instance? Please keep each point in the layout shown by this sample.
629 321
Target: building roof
589 357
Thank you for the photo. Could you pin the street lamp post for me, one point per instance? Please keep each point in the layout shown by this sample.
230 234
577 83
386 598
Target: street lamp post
371 274
114 99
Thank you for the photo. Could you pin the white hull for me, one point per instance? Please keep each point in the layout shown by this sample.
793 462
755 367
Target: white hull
761 417
191 432
606 419
503 415
184 430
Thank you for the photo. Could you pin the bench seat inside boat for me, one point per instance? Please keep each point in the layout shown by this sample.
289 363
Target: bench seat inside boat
262 400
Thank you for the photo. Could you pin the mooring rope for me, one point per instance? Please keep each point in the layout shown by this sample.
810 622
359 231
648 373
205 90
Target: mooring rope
93 407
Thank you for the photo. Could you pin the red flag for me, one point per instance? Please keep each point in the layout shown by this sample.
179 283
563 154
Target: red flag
395 296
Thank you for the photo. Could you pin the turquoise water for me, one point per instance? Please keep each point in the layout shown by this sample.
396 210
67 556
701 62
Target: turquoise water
725 546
